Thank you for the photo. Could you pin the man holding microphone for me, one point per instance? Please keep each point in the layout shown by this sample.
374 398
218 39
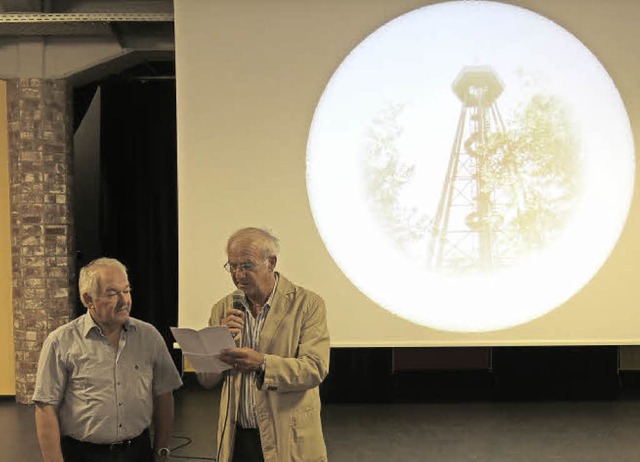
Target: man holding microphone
270 401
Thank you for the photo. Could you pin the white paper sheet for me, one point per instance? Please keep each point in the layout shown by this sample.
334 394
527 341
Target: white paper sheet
202 347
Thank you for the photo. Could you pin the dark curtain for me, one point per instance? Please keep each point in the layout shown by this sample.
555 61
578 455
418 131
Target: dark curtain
138 201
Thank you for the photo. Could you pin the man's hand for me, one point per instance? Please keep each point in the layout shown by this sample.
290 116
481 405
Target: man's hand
234 320
242 359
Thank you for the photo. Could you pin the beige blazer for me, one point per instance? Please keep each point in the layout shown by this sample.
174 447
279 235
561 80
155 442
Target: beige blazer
295 340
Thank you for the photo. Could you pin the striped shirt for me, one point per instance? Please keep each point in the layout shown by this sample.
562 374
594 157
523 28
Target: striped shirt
250 339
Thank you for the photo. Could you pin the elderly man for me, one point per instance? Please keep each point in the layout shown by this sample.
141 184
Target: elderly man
104 378
270 402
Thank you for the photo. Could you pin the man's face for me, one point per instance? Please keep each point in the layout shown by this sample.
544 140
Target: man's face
112 304
256 282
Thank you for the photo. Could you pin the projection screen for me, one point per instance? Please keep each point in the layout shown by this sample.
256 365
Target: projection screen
443 173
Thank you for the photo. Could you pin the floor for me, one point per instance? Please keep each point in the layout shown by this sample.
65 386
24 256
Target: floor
535 431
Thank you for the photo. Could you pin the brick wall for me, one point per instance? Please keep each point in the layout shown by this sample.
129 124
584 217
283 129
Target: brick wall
42 236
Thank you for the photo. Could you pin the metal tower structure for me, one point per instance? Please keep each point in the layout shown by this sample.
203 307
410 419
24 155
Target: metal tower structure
464 236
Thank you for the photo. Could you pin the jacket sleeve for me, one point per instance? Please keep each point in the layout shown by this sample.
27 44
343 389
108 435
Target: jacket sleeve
217 313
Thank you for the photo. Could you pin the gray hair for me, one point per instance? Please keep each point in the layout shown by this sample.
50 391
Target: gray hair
262 238
90 276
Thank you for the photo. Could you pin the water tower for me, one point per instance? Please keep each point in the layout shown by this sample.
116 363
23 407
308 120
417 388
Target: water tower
465 233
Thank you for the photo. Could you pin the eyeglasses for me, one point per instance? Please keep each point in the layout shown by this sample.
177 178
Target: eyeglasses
244 267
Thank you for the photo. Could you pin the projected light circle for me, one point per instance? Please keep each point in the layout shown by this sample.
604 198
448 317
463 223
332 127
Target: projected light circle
470 166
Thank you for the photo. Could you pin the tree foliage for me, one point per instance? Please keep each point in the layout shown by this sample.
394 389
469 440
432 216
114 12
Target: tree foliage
532 170
386 176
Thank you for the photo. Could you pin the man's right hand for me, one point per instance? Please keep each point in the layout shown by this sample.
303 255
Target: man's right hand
234 320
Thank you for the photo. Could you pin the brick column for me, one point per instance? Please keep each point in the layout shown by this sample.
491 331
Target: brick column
42 236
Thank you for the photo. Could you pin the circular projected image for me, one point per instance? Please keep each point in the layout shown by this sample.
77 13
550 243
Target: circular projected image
470 166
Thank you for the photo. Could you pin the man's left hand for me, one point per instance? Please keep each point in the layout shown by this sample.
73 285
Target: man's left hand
242 359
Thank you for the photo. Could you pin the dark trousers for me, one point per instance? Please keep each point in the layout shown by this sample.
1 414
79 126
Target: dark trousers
247 447
136 450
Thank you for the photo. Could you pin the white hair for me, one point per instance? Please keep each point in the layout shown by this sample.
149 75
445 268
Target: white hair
90 276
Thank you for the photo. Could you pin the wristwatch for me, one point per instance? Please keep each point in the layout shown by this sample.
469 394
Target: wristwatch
163 452
262 366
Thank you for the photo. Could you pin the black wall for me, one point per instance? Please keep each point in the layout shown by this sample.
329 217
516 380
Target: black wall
514 373
126 190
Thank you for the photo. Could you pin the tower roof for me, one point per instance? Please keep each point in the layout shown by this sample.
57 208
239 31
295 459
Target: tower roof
477 77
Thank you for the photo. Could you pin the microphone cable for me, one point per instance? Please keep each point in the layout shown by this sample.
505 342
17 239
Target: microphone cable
187 442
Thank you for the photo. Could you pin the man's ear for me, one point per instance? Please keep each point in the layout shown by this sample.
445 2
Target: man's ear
272 262
86 298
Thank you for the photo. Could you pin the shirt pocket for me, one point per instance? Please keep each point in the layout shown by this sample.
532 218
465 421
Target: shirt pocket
140 379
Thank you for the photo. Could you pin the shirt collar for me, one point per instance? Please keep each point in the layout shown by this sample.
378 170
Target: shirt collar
88 324
275 286
269 301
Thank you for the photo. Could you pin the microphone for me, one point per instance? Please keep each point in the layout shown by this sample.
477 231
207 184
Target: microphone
238 298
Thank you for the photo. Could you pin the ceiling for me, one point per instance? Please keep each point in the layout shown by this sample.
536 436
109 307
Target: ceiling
142 29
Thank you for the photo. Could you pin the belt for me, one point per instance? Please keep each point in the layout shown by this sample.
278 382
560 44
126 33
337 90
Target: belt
118 446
